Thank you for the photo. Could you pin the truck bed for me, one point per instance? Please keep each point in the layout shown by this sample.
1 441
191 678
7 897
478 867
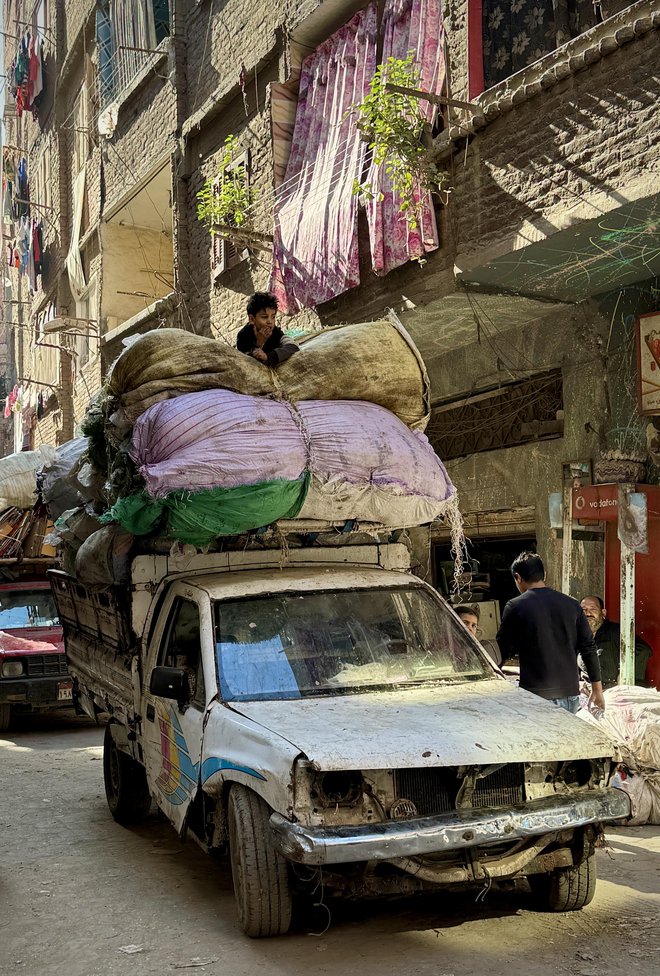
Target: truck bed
99 643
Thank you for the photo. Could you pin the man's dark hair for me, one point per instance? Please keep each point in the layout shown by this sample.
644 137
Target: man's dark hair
599 600
464 608
259 301
529 567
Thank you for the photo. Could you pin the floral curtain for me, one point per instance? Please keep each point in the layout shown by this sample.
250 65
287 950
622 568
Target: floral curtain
315 238
315 254
518 32
408 25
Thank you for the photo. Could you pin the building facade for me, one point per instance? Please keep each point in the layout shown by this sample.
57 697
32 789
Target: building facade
522 286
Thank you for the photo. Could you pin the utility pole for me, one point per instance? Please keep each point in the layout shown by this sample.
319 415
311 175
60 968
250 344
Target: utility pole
627 599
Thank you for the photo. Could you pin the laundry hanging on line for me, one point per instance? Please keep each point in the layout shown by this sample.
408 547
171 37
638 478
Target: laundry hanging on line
27 75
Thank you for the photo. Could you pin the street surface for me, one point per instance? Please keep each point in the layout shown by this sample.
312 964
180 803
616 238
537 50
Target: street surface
82 896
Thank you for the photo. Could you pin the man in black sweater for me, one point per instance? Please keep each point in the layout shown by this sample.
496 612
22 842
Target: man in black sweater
547 630
607 637
261 338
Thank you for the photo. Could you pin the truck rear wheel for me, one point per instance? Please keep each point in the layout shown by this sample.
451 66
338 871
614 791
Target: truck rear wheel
126 788
5 716
260 874
568 890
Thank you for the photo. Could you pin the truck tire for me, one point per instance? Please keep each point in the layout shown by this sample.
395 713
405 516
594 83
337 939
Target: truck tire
568 890
126 788
260 874
5 716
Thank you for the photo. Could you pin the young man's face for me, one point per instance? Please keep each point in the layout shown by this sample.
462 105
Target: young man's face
593 613
471 621
263 321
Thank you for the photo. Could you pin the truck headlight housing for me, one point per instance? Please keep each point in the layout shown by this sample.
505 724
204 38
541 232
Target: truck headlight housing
12 669
340 788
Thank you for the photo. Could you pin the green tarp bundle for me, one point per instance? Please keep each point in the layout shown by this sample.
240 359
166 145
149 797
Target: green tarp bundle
200 517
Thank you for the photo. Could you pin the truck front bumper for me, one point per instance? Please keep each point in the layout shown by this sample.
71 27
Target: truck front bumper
49 692
456 831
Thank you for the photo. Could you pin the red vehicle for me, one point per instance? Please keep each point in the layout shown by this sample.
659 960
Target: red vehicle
33 671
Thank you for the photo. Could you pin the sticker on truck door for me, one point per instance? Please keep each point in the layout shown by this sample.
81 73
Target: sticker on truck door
178 777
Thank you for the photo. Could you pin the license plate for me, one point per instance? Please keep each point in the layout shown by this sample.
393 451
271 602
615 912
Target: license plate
64 693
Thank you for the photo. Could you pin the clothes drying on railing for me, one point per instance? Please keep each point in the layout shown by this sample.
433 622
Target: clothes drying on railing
25 252
15 186
27 75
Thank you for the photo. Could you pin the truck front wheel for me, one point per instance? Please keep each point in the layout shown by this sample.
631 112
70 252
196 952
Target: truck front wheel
568 890
5 716
261 875
126 788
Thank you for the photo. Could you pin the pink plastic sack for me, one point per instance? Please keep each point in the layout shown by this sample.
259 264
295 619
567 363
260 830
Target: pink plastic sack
365 463
217 439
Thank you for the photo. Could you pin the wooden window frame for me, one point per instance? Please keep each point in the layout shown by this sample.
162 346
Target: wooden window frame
225 253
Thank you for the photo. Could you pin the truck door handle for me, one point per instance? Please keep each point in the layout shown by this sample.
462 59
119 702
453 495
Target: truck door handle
151 713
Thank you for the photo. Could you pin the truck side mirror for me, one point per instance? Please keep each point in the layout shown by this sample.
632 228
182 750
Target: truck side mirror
170 683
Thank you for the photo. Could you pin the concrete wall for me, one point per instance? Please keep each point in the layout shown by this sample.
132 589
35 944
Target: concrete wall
130 258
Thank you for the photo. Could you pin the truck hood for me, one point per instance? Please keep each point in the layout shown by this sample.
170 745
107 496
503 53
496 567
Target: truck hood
479 723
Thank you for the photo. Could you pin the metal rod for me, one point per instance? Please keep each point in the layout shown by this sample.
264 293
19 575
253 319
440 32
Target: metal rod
144 50
567 539
434 99
31 203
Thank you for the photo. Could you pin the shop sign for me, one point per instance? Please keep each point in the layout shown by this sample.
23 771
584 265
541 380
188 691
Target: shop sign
648 364
595 503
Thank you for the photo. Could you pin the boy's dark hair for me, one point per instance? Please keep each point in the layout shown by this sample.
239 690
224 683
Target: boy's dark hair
259 301
464 608
529 567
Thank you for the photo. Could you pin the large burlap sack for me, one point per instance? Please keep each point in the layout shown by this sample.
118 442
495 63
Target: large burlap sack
18 476
373 361
376 362
167 363
364 462
104 558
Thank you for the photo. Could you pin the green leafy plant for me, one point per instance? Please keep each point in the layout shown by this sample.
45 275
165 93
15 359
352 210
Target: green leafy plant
394 126
227 198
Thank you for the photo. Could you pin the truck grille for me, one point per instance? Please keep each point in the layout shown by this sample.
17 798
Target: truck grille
45 665
434 791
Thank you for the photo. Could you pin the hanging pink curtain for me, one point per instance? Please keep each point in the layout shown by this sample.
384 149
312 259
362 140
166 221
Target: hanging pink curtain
315 254
415 25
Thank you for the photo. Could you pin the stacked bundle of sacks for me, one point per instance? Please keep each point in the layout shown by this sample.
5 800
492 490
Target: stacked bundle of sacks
196 440
632 720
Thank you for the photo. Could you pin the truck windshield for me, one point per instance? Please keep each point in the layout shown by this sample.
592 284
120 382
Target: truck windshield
27 608
299 645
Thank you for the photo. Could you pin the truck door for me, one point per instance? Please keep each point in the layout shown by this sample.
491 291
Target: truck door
172 731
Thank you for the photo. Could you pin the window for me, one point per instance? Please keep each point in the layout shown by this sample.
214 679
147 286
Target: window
80 116
514 414
182 647
305 645
127 31
226 253
43 187
27 608
41 17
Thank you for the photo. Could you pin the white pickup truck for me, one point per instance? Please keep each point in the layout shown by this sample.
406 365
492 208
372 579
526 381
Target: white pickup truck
323 714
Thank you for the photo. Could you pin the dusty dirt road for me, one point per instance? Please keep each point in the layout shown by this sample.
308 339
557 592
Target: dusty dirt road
77 891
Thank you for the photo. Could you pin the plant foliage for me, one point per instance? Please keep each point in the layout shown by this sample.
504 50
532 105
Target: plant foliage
394 125
227 198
